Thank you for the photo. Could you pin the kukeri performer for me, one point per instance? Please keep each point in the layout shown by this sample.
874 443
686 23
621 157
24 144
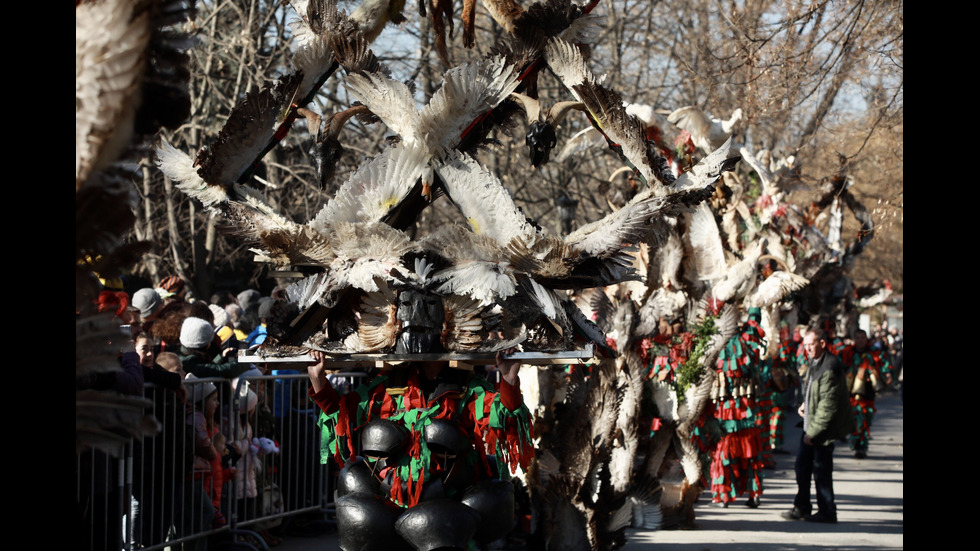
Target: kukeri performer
426 453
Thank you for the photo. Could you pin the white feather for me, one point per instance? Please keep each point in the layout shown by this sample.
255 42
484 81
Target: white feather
179 167
706 250
390 100
483 200
375 188
485 282
775 288
467 91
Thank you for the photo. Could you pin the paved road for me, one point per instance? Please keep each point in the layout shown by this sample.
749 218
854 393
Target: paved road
870 504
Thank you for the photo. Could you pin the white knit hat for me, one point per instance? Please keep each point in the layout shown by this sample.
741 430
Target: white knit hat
196 333
198 391
221 317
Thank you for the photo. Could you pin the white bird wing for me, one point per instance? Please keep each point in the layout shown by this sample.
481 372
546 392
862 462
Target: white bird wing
488 207
390 100
692 119
585 29
634 222
376 187
704 240
467 92
605 106
740 277
484 282
313 32
775 288
708 169
283 242
765 177
179 167
627 225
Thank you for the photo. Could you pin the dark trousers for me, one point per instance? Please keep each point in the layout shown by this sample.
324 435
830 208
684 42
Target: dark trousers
817 463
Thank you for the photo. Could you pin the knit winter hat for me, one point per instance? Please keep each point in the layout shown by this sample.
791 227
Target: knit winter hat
221 317
196 391
172 284
234 312
249 300
148 301
196 333
265 307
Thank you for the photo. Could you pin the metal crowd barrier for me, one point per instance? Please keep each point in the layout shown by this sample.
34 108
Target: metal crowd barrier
154 498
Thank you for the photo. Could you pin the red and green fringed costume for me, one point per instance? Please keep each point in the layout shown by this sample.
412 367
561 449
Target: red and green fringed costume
497 423
663 354
785 359
764 403
736 466
863 366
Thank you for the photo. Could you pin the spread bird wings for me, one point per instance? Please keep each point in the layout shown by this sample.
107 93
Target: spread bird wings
376 187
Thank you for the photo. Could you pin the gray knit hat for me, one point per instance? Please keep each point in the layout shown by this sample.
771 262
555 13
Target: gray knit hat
249 300
265 307
196 333
148 301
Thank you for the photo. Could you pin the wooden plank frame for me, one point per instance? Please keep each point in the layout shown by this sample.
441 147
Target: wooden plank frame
356 362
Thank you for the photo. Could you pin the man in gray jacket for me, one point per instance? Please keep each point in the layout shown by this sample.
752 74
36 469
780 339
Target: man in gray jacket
826 418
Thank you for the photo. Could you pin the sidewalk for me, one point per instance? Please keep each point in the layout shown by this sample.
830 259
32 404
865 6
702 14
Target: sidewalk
869 492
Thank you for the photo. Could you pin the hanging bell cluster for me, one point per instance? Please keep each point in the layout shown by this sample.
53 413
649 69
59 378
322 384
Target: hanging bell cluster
719 390
741 387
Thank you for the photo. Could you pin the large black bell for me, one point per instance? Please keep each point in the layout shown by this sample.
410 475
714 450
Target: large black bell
381 438
367 523
446 437
450 447
494 500
356 477
438 524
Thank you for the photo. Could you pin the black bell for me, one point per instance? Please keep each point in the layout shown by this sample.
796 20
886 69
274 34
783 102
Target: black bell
356 477
438 524
367 523
494 500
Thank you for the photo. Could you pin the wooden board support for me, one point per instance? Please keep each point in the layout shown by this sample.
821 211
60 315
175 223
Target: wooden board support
458 361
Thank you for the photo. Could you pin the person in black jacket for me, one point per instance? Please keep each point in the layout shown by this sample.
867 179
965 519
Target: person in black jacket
826 418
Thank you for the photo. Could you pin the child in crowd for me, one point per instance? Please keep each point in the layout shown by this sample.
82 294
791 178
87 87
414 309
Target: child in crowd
201 411
222 471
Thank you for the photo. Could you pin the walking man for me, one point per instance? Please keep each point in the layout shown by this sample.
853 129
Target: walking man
826 417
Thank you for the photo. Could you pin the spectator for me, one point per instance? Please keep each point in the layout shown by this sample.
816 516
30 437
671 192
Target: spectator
223 328
172 289
199 512
222 298
161 462
260 332
149 304
201 354
826 417
237 321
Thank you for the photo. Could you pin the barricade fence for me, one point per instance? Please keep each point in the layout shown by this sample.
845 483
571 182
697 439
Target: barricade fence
233 460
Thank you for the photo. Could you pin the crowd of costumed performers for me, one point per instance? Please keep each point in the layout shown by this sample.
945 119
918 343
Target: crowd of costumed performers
737 463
